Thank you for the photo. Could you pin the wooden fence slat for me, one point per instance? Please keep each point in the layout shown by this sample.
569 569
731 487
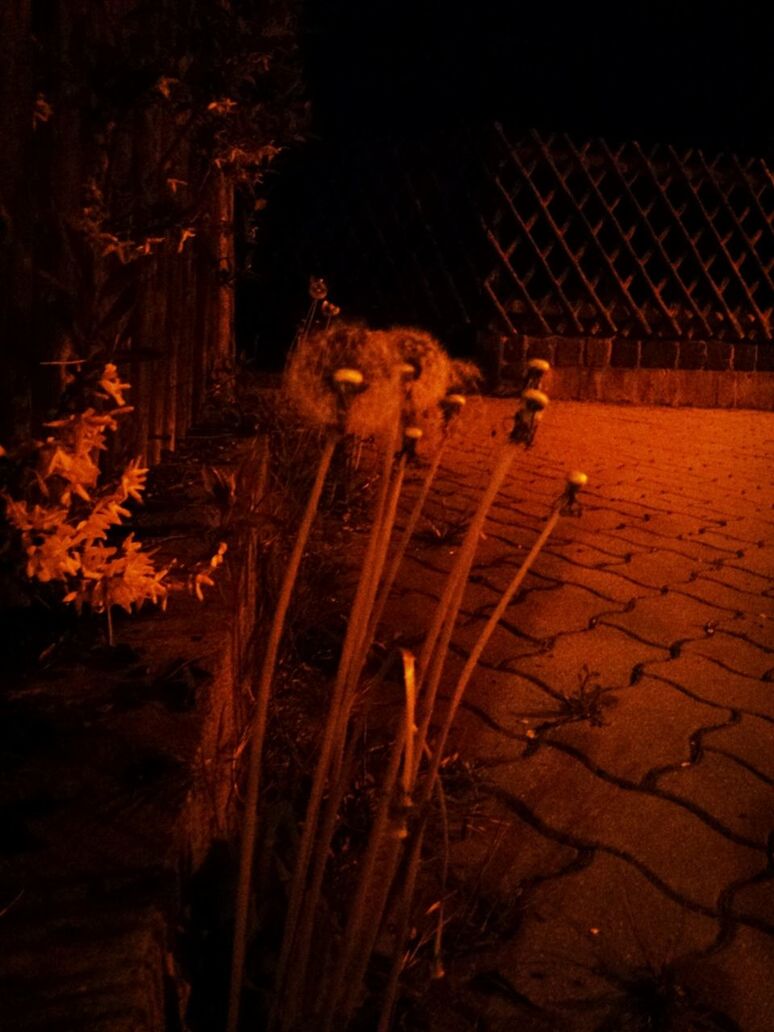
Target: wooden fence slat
658 238
662 188
594 235
721 242
542 257
626 236
544 206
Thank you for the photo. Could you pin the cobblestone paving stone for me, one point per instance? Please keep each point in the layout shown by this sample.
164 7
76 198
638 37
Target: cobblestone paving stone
629 831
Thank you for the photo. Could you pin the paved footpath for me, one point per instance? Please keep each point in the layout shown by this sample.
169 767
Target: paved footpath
618 737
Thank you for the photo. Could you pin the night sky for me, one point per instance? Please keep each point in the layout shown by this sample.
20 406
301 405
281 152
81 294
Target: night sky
676 71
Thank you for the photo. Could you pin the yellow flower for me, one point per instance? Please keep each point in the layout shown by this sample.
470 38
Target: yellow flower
199 580
133 480
111 384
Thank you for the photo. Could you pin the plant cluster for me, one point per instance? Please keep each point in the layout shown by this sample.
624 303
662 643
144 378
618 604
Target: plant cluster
68 522
396 386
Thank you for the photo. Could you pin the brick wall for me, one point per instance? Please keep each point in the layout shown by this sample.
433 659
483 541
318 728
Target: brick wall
667 372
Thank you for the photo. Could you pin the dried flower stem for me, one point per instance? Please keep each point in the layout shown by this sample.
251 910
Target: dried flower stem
339 707
408 888
399 950
431 660
258 734
433 781
478 648
361 921
359 914
377 566
297 976
434 652
405 539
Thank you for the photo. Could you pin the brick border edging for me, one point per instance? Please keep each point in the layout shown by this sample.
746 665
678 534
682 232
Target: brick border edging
710 374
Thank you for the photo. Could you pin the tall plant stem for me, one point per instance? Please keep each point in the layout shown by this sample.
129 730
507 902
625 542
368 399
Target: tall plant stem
258 734
443 622
338 768
432 779
407 898
433 676
386 845
478 648
464 560
294 995
433 655
405 539
358 915
357 623
365 622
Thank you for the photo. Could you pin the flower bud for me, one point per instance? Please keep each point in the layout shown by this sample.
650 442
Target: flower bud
349 377
534 400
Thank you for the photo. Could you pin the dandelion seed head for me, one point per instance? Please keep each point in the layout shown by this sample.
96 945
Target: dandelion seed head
432 366
400 367
343 349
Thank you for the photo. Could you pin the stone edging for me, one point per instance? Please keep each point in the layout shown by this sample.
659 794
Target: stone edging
711 374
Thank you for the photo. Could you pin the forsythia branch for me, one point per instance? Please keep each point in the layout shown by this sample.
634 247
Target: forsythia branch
64 532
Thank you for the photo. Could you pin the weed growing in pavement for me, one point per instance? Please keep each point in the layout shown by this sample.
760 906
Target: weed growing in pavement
588 704
590 701
442 533
658 997
642 989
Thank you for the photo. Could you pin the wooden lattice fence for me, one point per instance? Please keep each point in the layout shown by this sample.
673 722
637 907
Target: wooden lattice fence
595 240
535 235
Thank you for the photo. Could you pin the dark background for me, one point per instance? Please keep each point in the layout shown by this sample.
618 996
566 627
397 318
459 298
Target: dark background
393 84
663 69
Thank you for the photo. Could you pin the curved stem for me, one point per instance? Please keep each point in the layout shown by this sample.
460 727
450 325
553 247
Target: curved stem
398 957
408 533
464 561
338 707
357 913
478 648
258 734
